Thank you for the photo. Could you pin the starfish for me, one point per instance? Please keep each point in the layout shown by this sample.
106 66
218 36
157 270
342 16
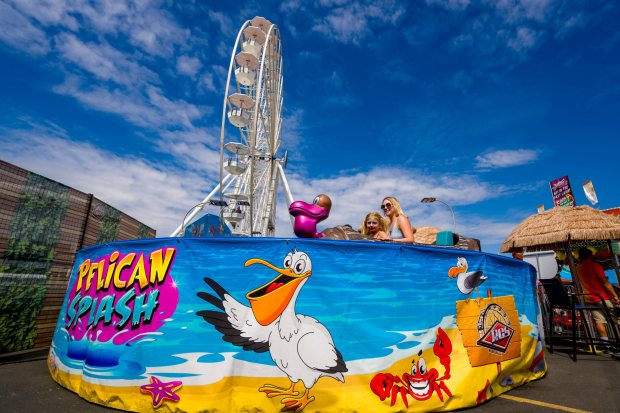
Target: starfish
162 390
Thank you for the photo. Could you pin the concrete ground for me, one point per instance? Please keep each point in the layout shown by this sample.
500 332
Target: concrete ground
589 385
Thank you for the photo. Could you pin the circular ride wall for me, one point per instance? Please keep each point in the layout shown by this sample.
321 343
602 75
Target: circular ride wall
196 324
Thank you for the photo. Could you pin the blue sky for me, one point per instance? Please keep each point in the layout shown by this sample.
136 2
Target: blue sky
477 103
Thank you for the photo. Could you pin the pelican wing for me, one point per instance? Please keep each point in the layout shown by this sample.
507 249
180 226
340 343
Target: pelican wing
317 351
235 321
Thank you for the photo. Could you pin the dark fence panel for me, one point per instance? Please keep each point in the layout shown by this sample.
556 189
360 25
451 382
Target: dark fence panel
43 223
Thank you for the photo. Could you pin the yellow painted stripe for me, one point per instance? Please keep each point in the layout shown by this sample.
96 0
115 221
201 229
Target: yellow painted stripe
543 404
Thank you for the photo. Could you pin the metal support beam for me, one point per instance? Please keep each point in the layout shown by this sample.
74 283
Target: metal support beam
287 190
197 208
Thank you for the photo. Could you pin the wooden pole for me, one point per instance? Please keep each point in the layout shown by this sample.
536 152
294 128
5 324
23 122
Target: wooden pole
571 266
88 209
590 331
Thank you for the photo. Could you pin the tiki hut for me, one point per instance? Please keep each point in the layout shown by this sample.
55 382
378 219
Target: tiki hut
557 228
563 228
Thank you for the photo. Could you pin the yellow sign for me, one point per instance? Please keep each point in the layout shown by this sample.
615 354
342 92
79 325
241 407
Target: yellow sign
490 329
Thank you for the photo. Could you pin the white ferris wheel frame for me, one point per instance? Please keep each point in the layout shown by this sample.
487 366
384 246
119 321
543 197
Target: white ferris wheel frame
262 135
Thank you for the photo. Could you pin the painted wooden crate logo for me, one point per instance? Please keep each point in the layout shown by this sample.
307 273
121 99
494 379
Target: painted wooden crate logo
490 329
497 338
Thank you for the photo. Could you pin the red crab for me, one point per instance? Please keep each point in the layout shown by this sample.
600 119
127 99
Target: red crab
421 383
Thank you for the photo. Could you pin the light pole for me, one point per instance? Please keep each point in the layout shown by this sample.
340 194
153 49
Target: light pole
430 200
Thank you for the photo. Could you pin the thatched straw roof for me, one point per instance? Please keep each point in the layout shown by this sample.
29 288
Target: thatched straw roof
551 229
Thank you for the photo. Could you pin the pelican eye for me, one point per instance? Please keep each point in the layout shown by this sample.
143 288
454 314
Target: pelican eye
422 366
288 260
300 266
316 200
299 262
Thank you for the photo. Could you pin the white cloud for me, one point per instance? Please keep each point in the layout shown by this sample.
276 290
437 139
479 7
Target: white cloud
351 22
20 33
173 112
354 195
224 23
344 26
195 149
49 12
103 48
160 194
293 130
188 65
207 82
500 32
150 108
524 38
156 194
569 23
103 61
514 11
506 158
213 79
145 24
290 6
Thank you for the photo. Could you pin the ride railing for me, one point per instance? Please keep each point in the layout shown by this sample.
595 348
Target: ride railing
561 325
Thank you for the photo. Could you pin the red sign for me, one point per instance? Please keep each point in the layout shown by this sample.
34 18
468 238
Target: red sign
613 211
497 337
562 192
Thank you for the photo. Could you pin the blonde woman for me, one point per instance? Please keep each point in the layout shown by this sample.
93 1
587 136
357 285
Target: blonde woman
399 228
374 226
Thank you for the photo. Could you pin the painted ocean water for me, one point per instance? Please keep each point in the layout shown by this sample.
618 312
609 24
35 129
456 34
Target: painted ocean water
379 302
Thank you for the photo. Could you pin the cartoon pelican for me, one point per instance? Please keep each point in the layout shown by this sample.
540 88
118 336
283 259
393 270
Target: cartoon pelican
466 281
299 345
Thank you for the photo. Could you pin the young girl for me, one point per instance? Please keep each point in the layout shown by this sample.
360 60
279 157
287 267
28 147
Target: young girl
374 226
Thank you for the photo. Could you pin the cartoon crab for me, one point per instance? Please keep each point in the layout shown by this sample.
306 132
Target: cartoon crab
421 383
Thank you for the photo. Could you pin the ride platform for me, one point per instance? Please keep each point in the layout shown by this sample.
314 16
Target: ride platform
196 324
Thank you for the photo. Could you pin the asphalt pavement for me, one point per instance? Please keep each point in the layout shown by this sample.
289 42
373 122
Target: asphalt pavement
589 385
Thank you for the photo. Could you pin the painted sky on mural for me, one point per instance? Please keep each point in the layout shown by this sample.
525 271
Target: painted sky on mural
477 103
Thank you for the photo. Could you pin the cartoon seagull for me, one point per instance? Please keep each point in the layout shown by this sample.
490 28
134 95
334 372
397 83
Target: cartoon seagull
466 281
299 345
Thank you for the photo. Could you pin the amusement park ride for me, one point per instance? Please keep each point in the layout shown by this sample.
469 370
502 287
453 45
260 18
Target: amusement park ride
155 321
247 194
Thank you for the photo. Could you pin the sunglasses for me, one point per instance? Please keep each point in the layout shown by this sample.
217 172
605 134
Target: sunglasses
386 205
368 223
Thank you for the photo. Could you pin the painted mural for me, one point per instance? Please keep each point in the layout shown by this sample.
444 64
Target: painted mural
194 324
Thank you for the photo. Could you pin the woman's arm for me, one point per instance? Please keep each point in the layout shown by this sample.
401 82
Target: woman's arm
405 227
381 235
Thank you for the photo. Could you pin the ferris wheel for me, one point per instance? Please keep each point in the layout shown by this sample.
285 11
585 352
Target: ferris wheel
250 134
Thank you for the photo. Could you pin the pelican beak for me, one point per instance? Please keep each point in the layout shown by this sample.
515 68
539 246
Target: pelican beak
454 271
269 300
